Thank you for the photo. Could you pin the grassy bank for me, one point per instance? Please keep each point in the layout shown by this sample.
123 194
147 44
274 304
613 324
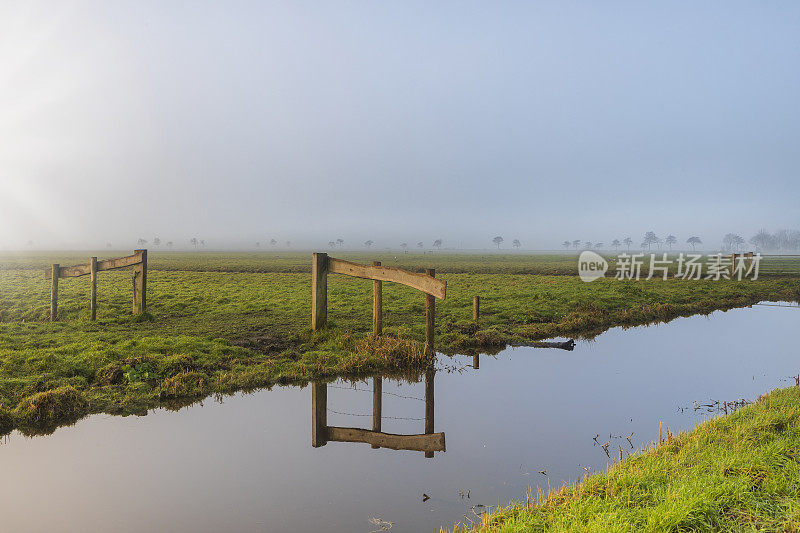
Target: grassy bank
210 331
740 472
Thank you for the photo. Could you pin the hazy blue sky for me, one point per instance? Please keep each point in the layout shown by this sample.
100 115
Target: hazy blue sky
396 121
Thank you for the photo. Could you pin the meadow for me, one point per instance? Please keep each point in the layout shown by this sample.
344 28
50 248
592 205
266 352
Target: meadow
218 323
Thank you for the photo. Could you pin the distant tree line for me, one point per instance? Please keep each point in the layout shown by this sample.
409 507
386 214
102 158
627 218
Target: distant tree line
781 241
763 241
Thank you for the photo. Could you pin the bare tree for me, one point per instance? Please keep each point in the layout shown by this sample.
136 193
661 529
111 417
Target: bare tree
498 241
566 244
693 241
141 242
157 241
437 243
649 239
762 240
576 243
193 242
169 244
331 244
273 242
404 246
733 241
628 241
340 242
671 240
368 244
516 244
598 245
615 244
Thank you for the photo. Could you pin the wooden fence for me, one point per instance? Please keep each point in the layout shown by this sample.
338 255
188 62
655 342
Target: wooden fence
138 260
322 433
322 265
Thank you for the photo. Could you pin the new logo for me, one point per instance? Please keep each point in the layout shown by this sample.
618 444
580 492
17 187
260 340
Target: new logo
591 266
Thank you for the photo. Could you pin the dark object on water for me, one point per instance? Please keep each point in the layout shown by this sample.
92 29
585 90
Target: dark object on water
565 345
425 497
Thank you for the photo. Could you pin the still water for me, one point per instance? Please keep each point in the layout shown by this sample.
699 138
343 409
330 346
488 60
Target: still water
248 464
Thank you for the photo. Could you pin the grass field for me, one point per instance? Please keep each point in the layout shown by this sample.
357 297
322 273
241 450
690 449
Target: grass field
214 329
740 472
446 262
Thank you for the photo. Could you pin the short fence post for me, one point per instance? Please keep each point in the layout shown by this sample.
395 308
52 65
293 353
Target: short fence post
140 284
319 291
54 293
377 304
476 361
733 263
430 317
476 307
93 276
377 404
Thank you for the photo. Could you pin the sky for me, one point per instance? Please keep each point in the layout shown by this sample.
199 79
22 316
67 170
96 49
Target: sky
396 121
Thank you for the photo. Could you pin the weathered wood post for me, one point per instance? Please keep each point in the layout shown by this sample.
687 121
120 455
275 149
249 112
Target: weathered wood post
429 377
430 316
733 263
54 293
319 414
476 307
377 404
93 276
140 284
319 291
377 304
476 361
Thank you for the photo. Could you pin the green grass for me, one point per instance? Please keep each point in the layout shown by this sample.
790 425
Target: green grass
218 331
740 472
288 262
487 262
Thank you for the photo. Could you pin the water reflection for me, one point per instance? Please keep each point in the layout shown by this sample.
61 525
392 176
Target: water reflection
529 417
321 433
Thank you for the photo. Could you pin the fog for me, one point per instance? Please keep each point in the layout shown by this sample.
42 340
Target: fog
238 122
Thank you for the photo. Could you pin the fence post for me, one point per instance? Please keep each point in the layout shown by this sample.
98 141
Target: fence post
476 307
377 404
319 291
140 284
377 304
93 275
430 316
319 414
54 293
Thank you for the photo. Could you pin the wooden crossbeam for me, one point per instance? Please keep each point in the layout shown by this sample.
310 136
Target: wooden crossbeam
433 442
423 282
105 264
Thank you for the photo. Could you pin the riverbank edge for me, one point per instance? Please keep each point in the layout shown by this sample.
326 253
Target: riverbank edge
734 472
327 355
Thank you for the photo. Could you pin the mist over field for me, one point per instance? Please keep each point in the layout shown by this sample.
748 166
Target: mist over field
238 123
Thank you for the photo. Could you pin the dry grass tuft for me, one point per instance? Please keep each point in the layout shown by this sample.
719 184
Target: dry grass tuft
52 406
185 384
395 353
